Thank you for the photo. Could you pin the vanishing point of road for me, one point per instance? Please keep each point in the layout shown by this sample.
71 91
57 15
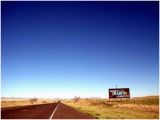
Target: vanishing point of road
44 111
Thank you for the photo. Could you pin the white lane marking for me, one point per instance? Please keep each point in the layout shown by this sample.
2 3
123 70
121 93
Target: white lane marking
54 111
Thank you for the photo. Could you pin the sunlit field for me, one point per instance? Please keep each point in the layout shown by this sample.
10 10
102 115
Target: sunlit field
22 102
135 108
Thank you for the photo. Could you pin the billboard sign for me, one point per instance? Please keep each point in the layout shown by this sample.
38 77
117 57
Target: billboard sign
119 93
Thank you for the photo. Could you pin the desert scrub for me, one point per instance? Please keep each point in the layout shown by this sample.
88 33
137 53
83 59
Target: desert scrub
121 110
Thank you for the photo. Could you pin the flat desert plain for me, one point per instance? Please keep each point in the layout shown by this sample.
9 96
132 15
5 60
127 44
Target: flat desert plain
135 108
12 102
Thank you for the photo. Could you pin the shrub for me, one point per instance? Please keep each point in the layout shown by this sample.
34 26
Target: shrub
76 99
33 100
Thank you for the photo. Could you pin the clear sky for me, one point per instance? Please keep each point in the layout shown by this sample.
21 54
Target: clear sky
67 49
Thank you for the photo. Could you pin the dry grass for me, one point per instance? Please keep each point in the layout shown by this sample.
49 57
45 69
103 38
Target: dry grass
136 108
22 102
147 108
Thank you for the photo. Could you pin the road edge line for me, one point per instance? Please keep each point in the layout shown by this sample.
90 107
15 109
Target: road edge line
54 111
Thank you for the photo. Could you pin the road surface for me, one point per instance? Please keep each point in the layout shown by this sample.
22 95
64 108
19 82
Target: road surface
44 111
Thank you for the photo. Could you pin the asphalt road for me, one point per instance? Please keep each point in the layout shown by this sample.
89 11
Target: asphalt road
66 112
44 111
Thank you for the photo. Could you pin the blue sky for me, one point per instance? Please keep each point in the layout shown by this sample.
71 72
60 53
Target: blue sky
63 49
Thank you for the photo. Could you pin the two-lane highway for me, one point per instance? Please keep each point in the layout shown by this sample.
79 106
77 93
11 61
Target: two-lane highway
43 111
29 112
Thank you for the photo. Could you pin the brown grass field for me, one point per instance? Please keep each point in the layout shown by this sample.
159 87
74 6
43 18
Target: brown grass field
135 108
22 102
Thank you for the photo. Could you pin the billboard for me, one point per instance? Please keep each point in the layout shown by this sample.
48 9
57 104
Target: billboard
119 93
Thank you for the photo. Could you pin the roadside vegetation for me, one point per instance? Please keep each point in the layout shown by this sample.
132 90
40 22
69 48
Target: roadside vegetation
22 102
33 100
135 108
